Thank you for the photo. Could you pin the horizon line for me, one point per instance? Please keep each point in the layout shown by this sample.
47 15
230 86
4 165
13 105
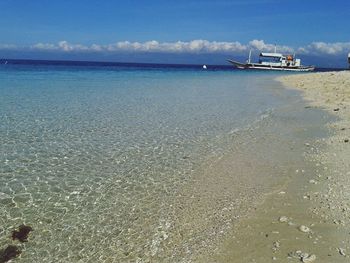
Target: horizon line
128 63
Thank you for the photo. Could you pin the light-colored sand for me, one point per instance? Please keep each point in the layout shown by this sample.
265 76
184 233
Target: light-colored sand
309 219
330 90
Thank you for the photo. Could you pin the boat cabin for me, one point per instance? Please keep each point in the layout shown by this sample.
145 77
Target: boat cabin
278 59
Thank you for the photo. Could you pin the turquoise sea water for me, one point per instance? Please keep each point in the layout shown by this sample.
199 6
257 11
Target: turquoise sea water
94 158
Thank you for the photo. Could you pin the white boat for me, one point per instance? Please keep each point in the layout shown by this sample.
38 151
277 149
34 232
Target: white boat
273 61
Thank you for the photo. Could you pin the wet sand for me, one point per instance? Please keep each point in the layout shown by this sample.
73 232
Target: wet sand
308 218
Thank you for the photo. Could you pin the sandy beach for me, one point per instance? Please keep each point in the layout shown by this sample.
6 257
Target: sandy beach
307 220
174 131
330 200
259 177
329 193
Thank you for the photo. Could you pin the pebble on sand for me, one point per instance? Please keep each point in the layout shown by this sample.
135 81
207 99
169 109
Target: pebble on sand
276 244
313 181
341 251
304 229
308 258
283 219
302 256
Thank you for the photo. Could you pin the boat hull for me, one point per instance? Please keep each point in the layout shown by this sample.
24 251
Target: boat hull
269 67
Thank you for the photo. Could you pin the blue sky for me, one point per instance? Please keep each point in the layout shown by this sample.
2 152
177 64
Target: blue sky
187 31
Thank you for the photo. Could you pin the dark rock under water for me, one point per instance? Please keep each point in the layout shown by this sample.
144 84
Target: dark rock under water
22 233
10 252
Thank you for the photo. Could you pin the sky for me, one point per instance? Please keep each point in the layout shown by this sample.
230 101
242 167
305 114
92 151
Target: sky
169 31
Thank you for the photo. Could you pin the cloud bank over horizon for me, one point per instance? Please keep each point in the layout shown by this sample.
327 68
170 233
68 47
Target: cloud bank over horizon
193 47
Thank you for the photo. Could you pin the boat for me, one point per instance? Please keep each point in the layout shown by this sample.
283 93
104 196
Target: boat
273 61
349 60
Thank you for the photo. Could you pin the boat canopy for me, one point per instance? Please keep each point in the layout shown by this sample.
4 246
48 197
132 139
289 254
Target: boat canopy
273 55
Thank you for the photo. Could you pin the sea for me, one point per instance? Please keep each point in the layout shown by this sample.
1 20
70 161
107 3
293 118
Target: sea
115 162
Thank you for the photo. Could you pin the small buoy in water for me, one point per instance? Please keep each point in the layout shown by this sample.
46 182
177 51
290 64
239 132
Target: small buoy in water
204 66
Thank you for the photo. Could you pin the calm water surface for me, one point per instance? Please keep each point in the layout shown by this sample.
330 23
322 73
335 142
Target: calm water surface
93 158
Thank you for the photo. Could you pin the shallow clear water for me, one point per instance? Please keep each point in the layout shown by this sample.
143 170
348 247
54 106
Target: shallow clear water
93 158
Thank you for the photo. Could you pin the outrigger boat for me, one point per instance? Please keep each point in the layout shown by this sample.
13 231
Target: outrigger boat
273 61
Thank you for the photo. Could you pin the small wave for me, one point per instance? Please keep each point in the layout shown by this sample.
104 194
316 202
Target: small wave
262 116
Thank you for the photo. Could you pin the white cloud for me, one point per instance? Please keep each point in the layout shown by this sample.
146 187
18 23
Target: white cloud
43 46
262 46
328 48
65 46
194 46
7 46
97 48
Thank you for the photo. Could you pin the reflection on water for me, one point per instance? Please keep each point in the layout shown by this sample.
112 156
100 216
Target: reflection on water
93 160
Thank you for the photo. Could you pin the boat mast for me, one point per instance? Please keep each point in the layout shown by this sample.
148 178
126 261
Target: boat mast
294 58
